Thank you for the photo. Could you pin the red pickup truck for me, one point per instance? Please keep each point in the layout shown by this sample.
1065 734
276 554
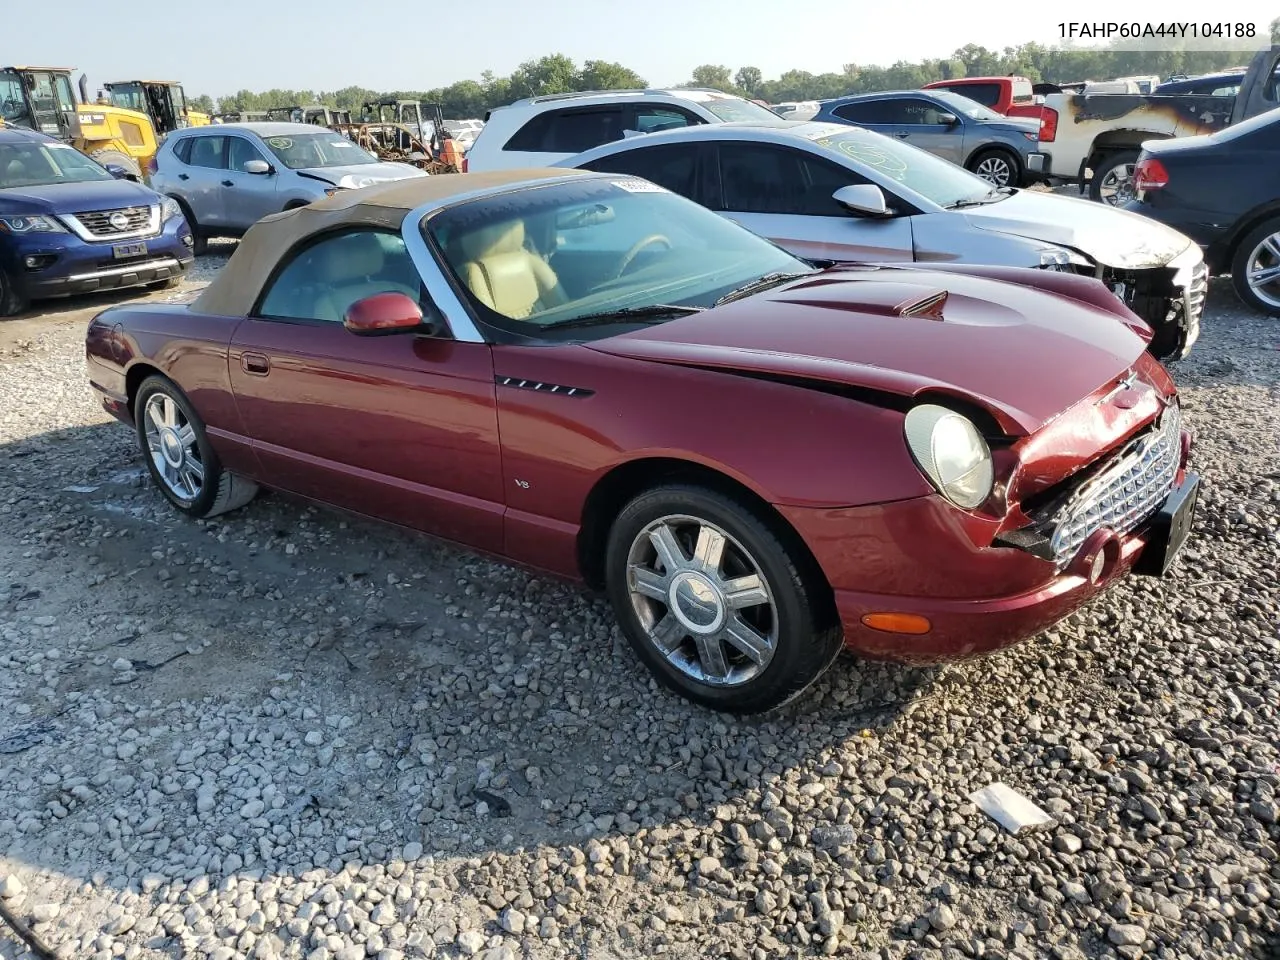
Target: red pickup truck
1011 96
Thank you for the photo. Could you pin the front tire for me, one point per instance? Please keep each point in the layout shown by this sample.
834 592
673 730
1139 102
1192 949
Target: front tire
199 240
107 155
178 454
721 608
12 300
998 168
1112 183
1255 267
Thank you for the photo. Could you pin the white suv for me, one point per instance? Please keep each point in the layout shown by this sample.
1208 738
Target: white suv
539 131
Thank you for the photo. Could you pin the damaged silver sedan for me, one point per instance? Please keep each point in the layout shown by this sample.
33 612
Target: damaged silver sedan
832 192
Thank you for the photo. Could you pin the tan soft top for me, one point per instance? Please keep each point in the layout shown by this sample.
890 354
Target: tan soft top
235 288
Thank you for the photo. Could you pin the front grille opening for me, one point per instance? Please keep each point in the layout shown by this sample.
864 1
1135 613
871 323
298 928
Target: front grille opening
128 220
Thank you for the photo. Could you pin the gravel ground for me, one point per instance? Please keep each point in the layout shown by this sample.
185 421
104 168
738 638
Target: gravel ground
291 733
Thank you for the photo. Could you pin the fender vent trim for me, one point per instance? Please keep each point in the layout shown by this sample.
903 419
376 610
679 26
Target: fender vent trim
559 389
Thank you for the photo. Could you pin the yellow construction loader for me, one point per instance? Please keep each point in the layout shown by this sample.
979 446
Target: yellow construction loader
164 101
43 99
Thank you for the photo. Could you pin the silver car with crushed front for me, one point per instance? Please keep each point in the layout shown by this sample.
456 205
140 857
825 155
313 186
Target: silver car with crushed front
229 176
831 192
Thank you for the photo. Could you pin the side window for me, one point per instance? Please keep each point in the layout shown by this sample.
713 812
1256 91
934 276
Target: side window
240 151
763 178
920 112
182 149
987 94
654 119
323 279
869 111
672 167
568 131
209 152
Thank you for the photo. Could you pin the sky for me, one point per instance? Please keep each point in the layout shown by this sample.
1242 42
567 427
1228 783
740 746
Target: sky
257 45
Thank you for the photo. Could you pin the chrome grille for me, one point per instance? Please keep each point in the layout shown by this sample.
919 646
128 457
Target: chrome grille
99 222
1124 493
1197 290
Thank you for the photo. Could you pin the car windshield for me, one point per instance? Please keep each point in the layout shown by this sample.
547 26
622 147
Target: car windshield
299 151
733 110
966 107
933 178
597 250
41 164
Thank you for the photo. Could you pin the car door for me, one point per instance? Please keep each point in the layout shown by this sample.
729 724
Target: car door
401 427
884 116
201 179
785 194
247 197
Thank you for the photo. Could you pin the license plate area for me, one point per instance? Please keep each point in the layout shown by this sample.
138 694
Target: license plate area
1169 528
124 251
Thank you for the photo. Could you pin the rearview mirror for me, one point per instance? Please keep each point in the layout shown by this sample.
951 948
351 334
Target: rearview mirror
948 119
862 198
119 172
585 217
386 313
257 166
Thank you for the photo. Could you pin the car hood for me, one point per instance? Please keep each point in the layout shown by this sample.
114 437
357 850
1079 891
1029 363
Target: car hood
1023 354
1111 237
358 175
75 197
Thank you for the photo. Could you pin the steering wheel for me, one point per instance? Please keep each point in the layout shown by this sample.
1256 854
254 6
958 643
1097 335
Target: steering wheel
649 241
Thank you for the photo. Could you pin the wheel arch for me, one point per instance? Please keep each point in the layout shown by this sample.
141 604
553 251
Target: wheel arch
1118 141
612 491
994 146
1241 228
134 377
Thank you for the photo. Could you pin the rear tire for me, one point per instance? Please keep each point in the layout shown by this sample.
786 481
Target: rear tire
1112 182
998 167
1257 253
12 300
107 155
179 457
735 621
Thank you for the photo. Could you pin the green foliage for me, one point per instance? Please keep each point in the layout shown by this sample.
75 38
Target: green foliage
557 73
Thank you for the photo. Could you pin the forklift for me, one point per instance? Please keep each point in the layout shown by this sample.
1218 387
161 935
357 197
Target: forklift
402 127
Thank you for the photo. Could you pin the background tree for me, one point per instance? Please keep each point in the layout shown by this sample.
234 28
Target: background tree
749 80
201 104
603 75
557 73
711 75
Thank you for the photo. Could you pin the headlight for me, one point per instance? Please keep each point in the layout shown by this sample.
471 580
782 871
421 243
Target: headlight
1054 259
949 451
33 224
169 209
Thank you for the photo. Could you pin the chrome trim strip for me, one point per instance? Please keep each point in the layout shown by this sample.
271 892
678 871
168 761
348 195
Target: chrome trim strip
461 325
120 271
72 222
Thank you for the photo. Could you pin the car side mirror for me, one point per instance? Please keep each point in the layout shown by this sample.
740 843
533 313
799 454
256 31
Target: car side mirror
865 199
259 167
948 119
387 313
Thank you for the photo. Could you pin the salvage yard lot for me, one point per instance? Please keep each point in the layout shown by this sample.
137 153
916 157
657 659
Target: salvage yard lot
290 732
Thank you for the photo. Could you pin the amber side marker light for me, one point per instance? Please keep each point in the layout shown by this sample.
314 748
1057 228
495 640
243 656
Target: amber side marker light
897 623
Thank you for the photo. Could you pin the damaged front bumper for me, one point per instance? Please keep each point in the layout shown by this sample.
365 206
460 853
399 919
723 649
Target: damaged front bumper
1169 299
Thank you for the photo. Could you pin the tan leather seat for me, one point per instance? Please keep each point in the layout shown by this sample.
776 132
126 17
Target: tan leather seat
504 275
351 269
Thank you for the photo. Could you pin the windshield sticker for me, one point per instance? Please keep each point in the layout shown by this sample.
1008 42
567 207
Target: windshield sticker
341 143
867 152
639 186
279 143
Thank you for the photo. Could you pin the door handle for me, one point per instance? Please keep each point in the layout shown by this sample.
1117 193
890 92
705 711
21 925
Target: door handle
255 363
902 136
183 176
228 183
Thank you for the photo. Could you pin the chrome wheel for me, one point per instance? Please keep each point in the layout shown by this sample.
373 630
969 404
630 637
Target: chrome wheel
1262 270
995 170
702 601
1117 185
171 444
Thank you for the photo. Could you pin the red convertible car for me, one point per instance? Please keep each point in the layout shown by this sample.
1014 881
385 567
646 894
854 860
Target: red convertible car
760 461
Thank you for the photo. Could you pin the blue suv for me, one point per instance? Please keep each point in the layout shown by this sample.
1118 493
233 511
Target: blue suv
69 225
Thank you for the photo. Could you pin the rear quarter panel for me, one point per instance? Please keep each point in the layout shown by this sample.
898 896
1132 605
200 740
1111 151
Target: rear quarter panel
191 350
